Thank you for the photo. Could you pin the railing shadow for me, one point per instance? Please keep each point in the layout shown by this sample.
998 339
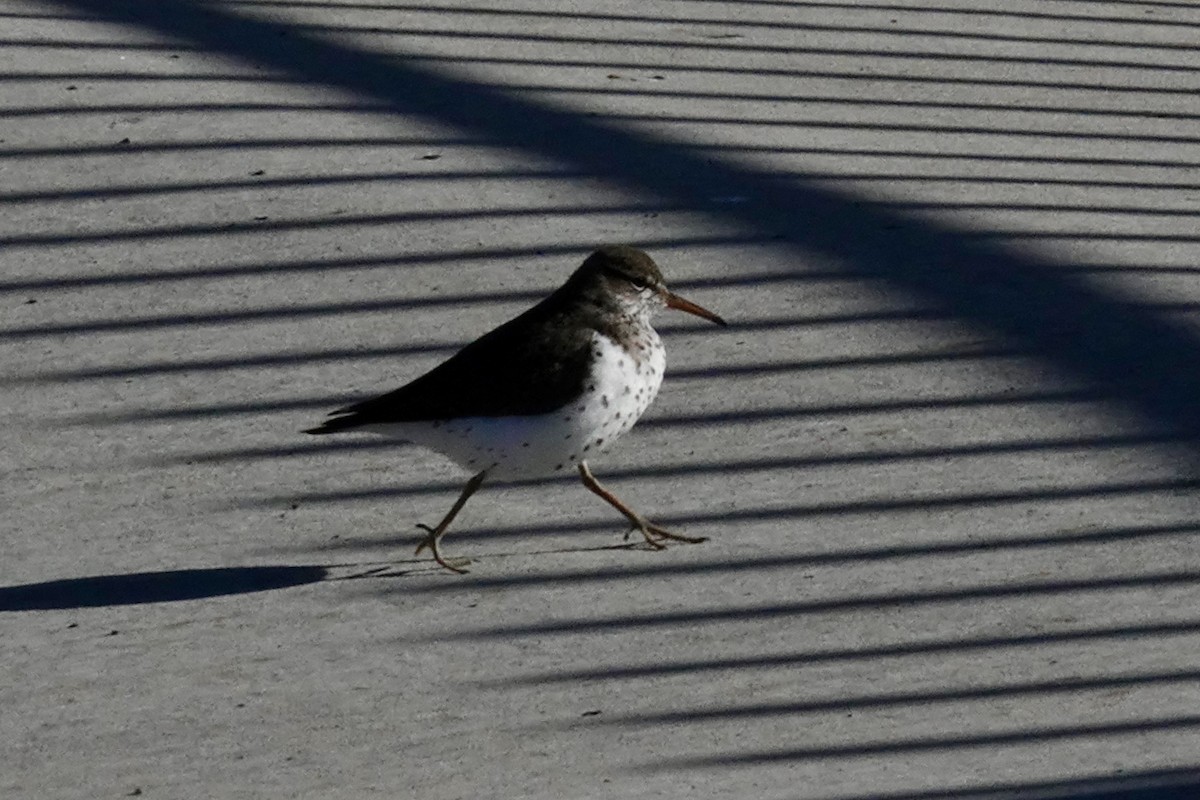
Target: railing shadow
1140 357
1132 354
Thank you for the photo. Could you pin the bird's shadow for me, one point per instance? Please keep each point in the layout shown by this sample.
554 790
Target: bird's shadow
154 587
167 586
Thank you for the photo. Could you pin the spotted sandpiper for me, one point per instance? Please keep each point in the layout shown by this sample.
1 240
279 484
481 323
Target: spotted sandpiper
544 391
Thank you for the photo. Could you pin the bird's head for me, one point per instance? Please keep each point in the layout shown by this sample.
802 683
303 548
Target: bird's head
631 277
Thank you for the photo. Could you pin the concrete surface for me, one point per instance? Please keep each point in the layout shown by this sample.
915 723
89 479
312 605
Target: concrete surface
946 454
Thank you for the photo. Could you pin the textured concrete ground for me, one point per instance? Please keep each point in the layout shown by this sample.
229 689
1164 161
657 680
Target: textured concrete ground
946 454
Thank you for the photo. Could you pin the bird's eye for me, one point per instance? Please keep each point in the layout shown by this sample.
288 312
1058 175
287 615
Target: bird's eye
638 283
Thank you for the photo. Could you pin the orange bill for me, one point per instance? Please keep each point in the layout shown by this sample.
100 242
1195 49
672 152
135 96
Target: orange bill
675 301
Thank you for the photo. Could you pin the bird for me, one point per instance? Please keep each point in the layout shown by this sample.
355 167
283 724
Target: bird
543 392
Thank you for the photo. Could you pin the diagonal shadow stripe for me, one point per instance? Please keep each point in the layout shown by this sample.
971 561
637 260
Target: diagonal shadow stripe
1179 783
373 306
701 48
923 698
745 415
1014 737
581 626
901 649
841 506
743 120
747 96
387 261
878 33
944 154
367 178
810 559
731 41
994 12
1149 362
289 358
328 221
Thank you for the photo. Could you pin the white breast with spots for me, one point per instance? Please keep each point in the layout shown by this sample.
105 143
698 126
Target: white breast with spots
618 391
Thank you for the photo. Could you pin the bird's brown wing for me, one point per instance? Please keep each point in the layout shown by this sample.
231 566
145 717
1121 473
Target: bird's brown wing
529 365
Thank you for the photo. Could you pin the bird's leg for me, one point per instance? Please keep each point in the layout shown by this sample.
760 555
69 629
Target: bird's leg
648 529
431 541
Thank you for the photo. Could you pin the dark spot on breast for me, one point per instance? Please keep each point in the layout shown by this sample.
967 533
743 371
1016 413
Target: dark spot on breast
599 442
567 437
604 400
525 444
627 390
558 467
591 387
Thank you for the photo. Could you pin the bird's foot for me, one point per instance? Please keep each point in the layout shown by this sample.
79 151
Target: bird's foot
431 541
657 537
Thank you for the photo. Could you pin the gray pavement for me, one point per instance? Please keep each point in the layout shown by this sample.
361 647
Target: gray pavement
946 453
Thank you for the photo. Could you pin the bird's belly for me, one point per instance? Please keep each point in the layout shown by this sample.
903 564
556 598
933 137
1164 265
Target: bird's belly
618 391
